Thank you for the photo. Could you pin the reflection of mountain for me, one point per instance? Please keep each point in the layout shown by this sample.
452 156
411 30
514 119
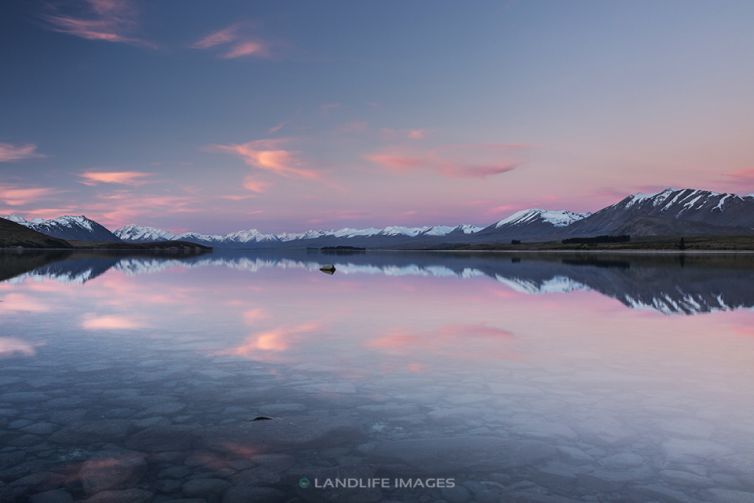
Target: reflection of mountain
75 266
665 283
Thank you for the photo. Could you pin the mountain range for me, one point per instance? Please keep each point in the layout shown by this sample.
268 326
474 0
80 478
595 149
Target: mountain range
671 212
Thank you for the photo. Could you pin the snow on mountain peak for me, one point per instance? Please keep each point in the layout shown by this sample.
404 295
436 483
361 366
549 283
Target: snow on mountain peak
142 233
640 197
398 230
249 235
72 220
63 221
444 230
681 200
16 218
557 218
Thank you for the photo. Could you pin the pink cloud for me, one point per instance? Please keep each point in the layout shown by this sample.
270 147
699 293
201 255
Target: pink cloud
235 41
739 179
110 322
10 152
474 171
110 21
269 155
117 177
255 185
219 37
123 206
18 196
469 161
252 316
397 161
246 48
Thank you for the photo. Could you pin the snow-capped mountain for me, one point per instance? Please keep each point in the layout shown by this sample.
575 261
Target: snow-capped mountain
68 227
444 230
532 224
672 212
255 238
141 234
556 218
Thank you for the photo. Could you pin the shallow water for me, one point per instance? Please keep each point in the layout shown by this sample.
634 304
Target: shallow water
513 378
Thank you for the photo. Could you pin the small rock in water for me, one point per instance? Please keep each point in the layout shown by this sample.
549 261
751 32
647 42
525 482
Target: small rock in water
328 269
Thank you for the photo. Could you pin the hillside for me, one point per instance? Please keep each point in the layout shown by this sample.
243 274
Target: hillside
13 234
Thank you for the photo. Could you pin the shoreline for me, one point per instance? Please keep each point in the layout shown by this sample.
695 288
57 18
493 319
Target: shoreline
598 250
627 251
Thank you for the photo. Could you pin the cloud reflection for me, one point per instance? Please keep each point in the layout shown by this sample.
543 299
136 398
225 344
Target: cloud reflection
11 346
110 322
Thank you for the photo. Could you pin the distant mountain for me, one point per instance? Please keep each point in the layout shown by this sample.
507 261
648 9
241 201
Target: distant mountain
531 225
142 234
671 212
253 238
14 234
75 228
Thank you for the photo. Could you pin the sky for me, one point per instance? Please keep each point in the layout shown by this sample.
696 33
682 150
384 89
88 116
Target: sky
287 116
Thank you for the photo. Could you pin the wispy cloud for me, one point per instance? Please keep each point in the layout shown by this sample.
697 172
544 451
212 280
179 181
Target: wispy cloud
269 155
277 127
468 161
117 177
401 134
10 152
357 126
234 42
416 134
255 185
110 322
740 179
107 20
126 206
18 196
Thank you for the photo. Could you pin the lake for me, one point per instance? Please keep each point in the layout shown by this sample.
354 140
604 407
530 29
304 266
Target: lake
253 376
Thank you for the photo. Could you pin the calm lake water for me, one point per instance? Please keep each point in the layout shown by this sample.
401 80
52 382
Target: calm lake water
540 378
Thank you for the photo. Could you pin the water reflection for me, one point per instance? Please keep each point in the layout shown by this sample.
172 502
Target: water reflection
135 378
670 284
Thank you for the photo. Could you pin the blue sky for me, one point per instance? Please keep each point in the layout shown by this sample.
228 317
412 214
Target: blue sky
291 115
